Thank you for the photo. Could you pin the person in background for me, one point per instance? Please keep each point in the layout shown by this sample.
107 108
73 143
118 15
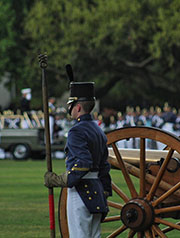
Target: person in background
113 123
120 120
176 126
60 125
157 121
25 100
87 169
128 122
52 111
51 105
100 122
120 124
169 118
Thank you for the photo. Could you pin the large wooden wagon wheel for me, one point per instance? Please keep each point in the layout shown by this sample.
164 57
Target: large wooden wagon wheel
145 210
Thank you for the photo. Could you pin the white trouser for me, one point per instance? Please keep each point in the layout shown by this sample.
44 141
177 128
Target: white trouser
81 223
168 126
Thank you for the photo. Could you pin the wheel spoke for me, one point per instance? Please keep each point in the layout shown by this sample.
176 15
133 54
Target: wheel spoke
115 205
167 223
117 232
159 175
167 209
148 234
158 231
142 168
125 172
120 192
167 229
112 218
140 234
153 232
131 233
165 195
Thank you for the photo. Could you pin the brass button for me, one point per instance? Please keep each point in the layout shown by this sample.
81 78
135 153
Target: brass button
87 192
75 165
69 172
95 192
72 169
85 186
97 208
90 198
78 119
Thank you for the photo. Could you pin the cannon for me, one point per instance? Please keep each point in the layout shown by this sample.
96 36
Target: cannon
151 207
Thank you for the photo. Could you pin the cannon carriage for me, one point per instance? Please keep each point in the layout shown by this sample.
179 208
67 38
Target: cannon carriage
150 207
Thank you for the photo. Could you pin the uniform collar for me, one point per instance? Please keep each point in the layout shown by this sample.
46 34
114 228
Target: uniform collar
85 117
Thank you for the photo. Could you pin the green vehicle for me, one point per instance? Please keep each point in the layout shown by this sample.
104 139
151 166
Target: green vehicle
28 143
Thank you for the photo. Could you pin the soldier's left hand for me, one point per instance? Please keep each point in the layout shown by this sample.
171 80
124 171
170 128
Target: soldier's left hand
51 179
47 179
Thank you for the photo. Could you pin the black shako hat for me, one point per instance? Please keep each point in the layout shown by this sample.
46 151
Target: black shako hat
81 91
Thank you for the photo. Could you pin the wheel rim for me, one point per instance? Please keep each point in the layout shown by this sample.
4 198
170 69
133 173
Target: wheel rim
140 202
20 151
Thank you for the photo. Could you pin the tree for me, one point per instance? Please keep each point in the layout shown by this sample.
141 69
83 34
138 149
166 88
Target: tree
129 48
13 47
7 40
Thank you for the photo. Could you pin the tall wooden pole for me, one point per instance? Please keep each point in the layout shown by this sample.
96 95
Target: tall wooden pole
43 65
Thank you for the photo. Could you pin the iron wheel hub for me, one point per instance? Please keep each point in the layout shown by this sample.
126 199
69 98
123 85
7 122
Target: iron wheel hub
137 214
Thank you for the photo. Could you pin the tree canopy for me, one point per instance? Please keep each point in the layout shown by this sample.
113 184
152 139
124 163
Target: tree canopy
131 49
13 47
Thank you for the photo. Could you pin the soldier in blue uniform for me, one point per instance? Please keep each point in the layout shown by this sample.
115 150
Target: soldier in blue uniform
87 176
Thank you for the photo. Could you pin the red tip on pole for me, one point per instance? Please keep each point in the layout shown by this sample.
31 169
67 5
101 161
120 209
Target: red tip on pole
51 212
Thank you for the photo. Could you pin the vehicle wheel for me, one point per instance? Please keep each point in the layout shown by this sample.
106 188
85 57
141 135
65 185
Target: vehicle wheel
140 210
21 151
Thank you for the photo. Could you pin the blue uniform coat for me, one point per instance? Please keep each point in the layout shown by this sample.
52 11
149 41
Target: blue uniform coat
86 151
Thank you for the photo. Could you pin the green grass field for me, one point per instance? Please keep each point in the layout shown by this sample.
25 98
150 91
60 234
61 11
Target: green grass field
24 211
